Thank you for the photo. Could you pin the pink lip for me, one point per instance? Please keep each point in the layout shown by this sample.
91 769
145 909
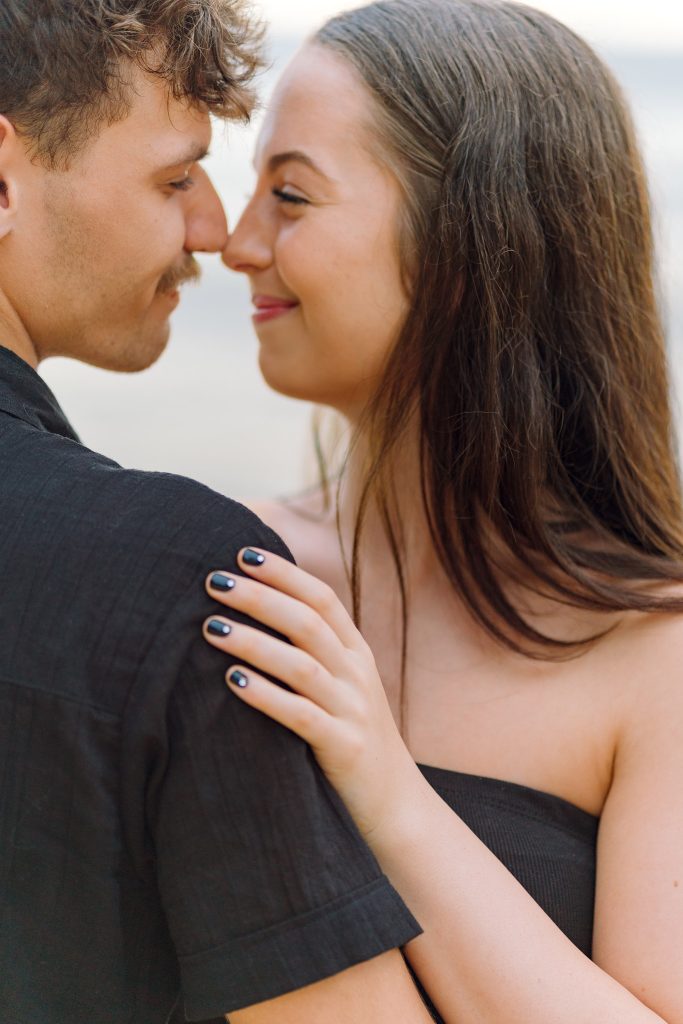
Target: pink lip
269 307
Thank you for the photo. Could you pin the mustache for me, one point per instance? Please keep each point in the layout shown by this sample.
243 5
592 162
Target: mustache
188 270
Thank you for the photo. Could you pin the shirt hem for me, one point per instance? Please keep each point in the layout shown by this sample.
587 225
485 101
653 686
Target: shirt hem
296 953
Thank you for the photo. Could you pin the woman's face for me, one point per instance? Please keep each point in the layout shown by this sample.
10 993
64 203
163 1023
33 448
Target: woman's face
319 239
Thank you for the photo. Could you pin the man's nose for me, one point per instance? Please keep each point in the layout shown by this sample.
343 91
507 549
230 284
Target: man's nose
207 226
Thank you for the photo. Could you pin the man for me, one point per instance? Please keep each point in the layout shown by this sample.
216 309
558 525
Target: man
164 848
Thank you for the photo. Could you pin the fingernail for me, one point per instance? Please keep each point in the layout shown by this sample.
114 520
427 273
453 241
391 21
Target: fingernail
253 558
218 628
238 679
219 581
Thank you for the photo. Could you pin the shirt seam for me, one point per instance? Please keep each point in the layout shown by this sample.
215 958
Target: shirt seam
35 688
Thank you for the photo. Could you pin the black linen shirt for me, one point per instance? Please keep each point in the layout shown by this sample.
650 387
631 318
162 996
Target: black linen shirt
161 843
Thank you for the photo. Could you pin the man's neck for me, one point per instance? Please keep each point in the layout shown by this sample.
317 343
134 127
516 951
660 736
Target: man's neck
13 334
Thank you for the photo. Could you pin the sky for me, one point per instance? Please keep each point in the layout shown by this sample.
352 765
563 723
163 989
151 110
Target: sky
613 24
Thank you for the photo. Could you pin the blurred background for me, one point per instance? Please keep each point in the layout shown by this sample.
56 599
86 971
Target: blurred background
204 411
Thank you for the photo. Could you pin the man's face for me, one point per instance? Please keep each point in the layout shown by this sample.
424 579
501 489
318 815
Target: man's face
96 253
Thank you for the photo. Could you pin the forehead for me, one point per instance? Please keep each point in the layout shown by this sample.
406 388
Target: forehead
158 131
319 105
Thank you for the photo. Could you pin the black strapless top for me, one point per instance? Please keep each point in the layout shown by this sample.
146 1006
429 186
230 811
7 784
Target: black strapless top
547 843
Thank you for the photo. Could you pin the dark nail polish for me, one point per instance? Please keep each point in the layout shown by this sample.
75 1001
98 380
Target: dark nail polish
253 558
239 679
219 581
218 628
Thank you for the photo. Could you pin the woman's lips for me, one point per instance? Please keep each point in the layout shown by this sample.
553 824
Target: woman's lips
269 307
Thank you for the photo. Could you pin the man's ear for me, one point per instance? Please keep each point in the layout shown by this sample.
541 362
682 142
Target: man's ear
8 143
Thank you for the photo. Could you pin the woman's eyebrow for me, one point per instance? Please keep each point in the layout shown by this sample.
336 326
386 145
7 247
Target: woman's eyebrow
295 156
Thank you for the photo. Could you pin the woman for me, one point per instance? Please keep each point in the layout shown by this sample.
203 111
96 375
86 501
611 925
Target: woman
449 243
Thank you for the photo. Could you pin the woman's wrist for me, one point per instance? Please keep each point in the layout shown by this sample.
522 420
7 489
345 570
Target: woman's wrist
404 800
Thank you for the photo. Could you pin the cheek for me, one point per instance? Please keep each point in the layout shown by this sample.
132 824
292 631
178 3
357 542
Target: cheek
135 237
352 296
145 246
332 267
346 274
302 262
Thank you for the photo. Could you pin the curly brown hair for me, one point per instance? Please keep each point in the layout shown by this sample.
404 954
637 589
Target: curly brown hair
63 65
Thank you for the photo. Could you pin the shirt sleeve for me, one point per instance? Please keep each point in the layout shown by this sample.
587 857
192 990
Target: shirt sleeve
264 880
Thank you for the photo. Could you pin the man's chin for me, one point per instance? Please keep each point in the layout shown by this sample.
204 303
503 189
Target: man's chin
145 357
132 357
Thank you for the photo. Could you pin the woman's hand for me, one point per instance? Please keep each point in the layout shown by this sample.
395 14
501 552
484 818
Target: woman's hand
337 702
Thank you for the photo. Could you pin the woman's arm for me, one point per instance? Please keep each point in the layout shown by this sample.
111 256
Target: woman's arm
489 953
380 991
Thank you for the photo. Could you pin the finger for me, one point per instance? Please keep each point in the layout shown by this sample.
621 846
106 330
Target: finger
297 713
289 579
274 657
287 615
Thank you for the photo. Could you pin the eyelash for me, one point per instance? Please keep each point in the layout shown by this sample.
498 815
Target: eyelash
182 186
287 197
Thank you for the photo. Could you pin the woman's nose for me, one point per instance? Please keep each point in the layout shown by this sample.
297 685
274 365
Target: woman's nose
206 224
249 247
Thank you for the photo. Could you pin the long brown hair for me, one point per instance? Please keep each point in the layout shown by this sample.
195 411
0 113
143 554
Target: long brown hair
533 356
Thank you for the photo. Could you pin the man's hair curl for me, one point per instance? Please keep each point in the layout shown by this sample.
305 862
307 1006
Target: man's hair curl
65 66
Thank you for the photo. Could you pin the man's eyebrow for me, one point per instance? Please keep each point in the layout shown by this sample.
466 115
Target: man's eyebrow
295 156
193 156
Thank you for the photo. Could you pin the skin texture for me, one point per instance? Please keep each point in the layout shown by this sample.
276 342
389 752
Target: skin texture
89 260
604 731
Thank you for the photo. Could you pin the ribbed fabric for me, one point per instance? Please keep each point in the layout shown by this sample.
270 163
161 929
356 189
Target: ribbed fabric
547 843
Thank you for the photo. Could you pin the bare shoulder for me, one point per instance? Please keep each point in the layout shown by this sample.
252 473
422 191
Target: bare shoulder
649 651
646 684
305 526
